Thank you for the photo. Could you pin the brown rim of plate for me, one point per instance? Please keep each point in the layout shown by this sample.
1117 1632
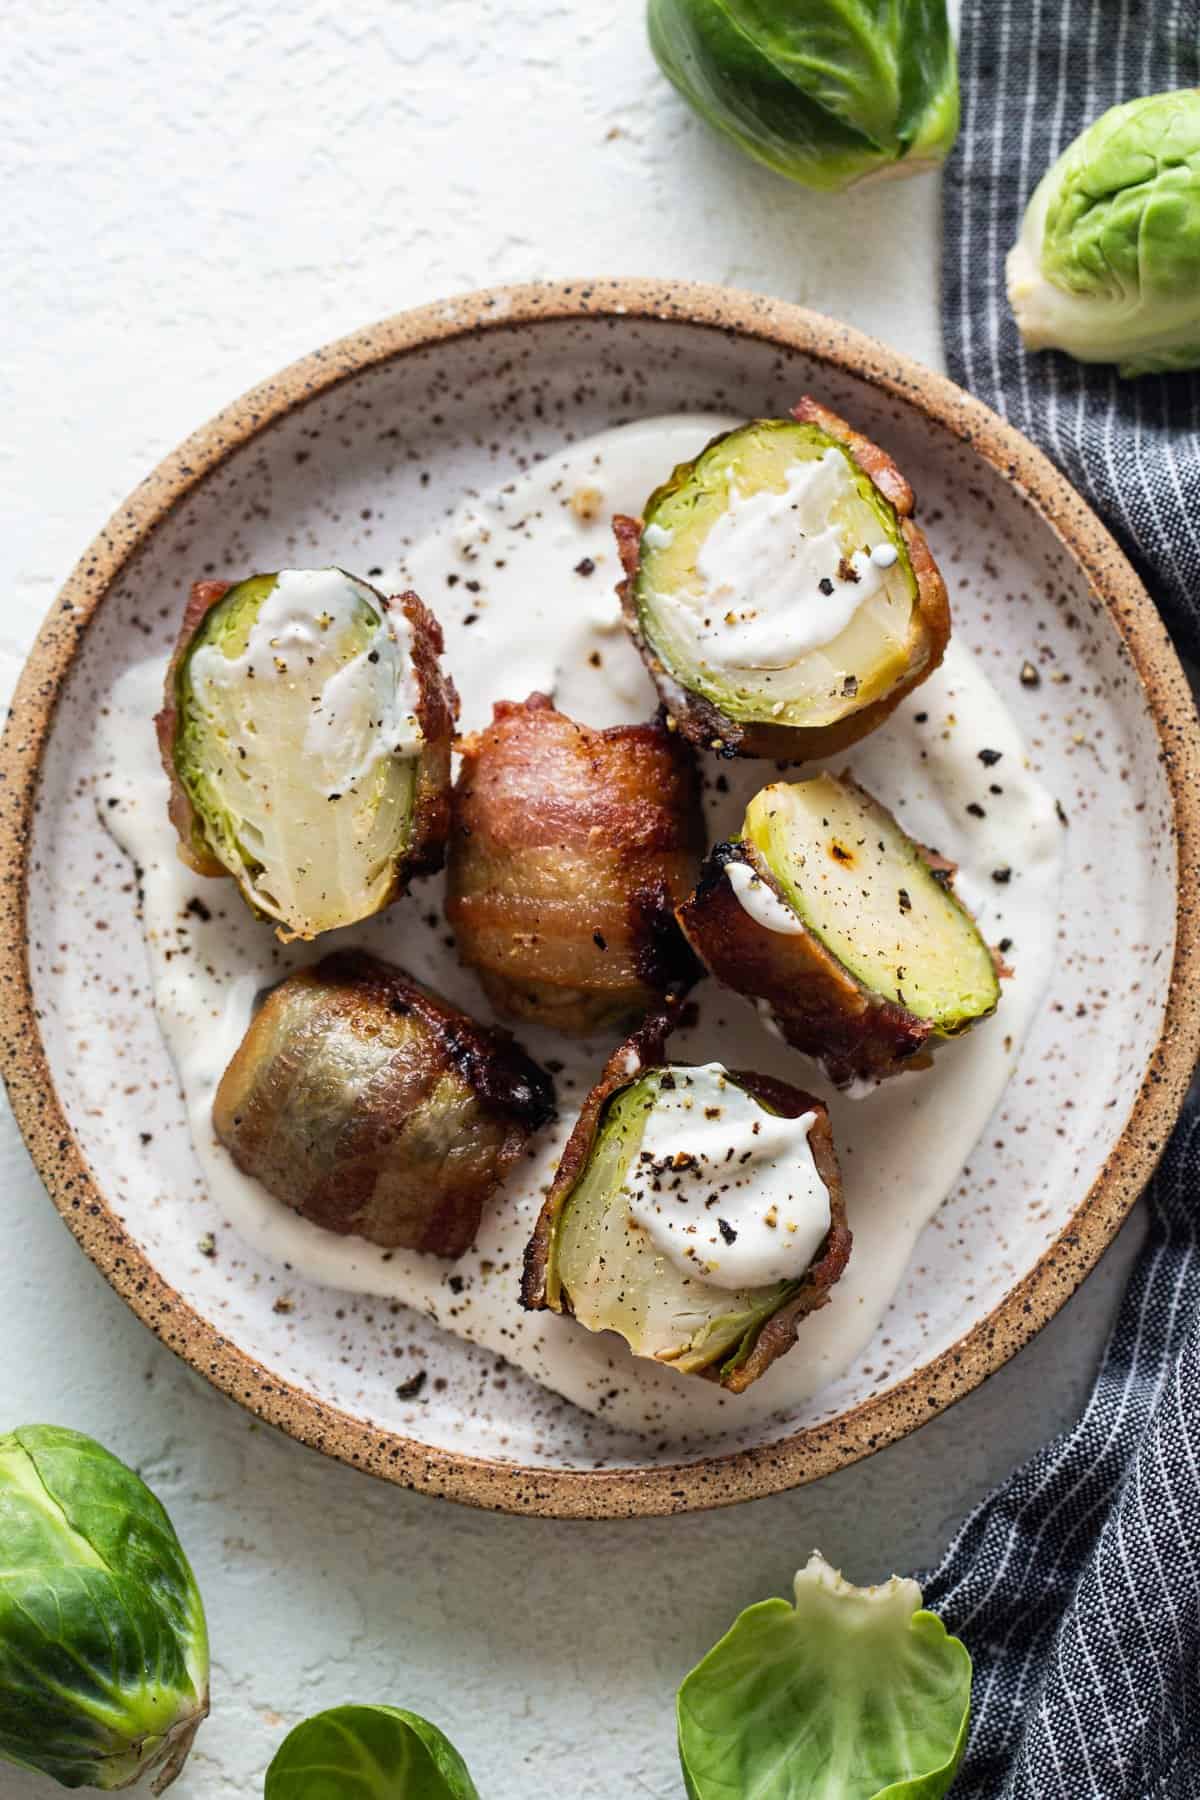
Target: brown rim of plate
711 1481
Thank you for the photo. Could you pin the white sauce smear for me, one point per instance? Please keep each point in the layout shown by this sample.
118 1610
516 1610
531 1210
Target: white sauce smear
762 903
724 1188
534 622
772 591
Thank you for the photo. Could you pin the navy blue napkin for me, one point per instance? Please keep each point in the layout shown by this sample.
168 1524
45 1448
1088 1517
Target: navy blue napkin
1077 1584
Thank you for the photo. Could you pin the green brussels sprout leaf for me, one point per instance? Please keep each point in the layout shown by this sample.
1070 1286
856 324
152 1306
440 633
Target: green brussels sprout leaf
1107 265
103 1646
368 1753
850 1694
828 93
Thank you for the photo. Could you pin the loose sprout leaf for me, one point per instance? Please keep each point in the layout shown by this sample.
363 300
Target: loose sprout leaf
103 1646
850 1694
1107 264
828 93
368 1753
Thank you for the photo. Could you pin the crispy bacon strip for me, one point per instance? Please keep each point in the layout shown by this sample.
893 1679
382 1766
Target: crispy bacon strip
570 849
369 1105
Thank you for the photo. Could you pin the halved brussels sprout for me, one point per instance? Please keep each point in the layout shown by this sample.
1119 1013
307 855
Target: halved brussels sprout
367 1753
697 1211
103 1645
306 734
570 851
780 595
1107 264
848 934
370 1105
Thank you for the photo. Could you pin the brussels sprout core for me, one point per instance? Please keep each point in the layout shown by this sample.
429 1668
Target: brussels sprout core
307 732
781 597
697 1212
846 933
103 1647
1107 265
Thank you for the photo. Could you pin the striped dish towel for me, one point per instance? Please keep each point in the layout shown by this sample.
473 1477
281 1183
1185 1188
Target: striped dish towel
1077 1584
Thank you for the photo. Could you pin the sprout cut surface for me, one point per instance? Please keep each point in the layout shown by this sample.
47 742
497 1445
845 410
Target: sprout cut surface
619 1281
774 578
866 891
295 734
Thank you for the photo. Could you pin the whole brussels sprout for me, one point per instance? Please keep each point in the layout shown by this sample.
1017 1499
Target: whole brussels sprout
1107 266
103 1646
828 93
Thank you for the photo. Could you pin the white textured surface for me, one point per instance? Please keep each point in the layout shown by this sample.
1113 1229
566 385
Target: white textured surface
193 196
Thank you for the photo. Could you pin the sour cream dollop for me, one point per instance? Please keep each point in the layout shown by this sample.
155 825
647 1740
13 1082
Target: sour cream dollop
728 1192
772 592
763 904
360 710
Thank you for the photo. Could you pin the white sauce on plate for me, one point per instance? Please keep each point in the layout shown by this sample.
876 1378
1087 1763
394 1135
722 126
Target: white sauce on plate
724 1188
531 623
763 904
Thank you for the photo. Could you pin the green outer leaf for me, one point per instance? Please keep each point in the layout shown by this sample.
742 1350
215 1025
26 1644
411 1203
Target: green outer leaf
827 93
368 1753
852 1694
927 122
103 1646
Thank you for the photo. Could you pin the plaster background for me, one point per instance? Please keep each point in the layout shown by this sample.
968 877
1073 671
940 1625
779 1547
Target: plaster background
192 197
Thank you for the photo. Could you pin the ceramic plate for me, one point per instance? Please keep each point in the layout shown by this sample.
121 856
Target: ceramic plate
370 441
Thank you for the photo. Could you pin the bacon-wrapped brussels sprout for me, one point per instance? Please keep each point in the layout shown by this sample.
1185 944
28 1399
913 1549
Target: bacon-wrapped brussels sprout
306 734
370 1105
570 850
781 596
697 1211
847 933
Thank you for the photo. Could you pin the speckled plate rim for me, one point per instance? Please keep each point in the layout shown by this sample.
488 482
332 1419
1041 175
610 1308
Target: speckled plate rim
620 1492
